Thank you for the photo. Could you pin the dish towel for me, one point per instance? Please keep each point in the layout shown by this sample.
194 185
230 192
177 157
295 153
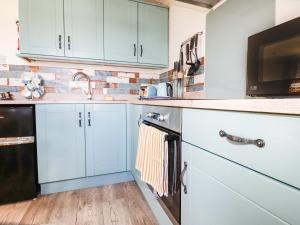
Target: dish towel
152 158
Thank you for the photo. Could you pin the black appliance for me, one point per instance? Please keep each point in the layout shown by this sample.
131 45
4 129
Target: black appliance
274 61
169 121
18 170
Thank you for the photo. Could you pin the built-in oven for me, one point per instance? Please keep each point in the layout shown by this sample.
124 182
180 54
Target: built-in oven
168 120
274 61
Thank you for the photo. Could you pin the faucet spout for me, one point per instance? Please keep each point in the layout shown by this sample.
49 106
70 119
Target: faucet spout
80 75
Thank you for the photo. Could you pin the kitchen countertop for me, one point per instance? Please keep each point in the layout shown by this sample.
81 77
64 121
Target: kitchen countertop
278 106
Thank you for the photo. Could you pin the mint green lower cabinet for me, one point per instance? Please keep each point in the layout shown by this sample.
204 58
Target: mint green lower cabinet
133 115
105 138
60 142
220 192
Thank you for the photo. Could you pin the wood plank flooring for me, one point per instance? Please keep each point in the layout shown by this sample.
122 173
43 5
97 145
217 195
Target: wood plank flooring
120 204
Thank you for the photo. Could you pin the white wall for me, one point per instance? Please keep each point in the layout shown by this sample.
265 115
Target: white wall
185 20
287 10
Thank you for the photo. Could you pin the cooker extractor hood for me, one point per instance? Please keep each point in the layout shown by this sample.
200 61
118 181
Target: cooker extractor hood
204 3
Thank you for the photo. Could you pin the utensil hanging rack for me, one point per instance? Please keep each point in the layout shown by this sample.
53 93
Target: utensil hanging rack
190 38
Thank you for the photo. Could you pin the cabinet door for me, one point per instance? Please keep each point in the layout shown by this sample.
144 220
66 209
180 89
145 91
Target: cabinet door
60 142
42 27
209 201
120 30
84 28
133 115
105 138
153 34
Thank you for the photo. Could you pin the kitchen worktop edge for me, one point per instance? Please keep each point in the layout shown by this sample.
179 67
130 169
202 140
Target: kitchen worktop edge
277 106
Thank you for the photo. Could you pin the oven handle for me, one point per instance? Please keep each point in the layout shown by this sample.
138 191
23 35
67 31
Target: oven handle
182 176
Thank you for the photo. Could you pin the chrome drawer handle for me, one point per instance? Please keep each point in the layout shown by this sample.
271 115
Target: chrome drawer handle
258 142
182 176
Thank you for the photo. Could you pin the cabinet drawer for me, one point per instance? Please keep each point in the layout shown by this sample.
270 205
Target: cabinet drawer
280 156
237 195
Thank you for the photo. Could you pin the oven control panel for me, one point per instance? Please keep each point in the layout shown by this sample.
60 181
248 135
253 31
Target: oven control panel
163 116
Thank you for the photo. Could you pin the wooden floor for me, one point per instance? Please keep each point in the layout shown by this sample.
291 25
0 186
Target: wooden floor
120 204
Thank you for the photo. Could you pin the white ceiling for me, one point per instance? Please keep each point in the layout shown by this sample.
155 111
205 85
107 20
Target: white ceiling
203 3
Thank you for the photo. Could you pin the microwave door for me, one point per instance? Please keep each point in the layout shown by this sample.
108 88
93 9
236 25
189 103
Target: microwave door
274 61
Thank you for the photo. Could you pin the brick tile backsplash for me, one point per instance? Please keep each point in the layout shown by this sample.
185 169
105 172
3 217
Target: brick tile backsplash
3 81
57 80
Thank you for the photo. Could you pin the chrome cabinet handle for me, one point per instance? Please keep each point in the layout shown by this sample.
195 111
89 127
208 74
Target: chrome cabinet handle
260 143
59 42
89 119
69 42
140 121
142 50
134 49
80 119
182 176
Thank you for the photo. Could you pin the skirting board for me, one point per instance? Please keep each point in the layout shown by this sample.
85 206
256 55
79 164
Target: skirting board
153 203
86 182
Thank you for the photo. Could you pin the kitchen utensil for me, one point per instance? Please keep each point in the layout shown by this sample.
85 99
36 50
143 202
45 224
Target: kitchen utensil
194 66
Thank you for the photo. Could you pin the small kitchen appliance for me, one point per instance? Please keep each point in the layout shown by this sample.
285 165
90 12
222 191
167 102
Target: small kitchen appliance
165 90
18 167
274 61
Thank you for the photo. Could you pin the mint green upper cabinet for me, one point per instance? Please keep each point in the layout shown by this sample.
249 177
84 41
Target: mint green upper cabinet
105 138
41 27
153 34
60 142
120 30
84 28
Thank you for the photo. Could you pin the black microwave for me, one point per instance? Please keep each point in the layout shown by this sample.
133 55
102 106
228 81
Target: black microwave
273 67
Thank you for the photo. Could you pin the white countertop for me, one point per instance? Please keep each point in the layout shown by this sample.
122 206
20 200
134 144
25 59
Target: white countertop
279 106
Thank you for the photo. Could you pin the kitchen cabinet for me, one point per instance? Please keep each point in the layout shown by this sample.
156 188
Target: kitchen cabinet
60 142
77 140
220 192
84 28
120 30
241 181
135 32
153 34
133 116
278 158
105 138
41 27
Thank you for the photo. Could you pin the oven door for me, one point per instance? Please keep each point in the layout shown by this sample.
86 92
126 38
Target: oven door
274 61
172 203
